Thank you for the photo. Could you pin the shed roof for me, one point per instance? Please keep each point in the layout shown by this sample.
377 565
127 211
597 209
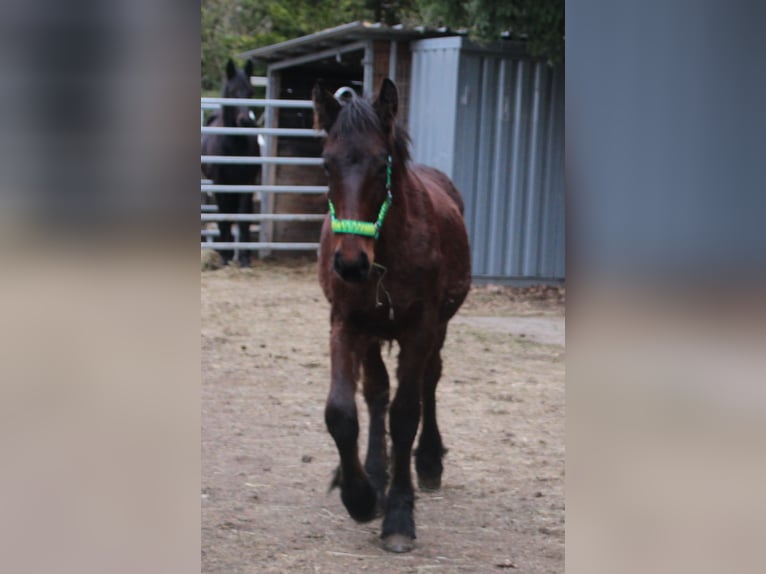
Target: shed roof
342 35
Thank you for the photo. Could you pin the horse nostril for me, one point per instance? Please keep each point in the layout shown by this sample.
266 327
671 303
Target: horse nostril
354 271
338 263
364 264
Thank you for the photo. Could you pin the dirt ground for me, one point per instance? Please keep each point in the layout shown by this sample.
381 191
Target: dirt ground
268 459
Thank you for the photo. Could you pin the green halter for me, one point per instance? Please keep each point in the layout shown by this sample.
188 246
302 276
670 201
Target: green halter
364 228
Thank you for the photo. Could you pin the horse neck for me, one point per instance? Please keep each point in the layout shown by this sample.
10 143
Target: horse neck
229 116
396 222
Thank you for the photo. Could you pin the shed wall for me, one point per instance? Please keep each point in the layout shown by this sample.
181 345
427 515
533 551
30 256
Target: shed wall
433 96
494 122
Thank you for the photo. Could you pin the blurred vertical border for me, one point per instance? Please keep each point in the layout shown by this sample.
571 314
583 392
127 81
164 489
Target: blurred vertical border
666 247
99 275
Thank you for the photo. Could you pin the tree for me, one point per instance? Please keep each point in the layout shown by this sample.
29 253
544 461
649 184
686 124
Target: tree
539 22
233 26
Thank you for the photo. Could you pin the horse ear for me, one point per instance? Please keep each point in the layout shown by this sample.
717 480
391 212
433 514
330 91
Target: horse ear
249 69
326 107
387 104
231 69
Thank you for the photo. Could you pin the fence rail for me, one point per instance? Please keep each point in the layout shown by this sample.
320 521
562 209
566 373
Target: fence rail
291 132
215 103
261 245
263 160
209 187
206 217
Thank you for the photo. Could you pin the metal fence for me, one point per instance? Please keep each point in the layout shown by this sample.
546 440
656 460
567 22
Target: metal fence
210 214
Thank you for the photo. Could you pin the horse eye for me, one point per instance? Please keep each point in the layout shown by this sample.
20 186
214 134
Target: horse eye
326 167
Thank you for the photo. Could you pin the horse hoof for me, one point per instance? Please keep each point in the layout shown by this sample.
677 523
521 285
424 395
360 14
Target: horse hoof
360 501
363 516
429 484
398 543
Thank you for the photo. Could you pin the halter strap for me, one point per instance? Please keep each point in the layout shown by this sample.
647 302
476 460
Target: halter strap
364 228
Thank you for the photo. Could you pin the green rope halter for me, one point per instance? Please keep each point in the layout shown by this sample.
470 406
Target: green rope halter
364 228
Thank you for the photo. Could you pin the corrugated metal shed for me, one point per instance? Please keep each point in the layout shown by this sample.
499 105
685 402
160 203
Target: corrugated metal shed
493 119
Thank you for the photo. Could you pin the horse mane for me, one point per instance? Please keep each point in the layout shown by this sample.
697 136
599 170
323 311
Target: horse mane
358 116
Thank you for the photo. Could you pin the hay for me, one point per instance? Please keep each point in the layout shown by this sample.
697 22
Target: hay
211 260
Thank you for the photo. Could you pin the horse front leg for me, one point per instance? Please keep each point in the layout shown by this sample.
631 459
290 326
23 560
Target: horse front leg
376 392
225 236
246 208
225 206
356 492
398 522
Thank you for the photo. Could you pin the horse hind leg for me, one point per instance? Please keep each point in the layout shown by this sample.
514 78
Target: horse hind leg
430 450
376 395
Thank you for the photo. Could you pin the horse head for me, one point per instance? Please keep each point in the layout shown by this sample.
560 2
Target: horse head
238 85
359 154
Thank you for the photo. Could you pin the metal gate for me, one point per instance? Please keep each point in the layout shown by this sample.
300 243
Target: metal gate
209 213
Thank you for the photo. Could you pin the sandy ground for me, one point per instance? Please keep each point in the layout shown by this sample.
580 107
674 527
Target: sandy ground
268 459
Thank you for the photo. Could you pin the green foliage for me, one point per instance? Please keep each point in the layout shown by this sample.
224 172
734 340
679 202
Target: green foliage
234 26
540 22
230 27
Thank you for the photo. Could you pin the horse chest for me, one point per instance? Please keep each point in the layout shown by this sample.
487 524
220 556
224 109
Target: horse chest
380 311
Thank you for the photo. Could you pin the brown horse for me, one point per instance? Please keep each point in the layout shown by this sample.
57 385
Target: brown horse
402 277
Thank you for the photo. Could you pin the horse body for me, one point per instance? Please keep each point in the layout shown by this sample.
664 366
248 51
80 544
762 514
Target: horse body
404 286
237 86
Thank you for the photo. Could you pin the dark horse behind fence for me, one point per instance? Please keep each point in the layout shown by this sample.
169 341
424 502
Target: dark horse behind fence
394 263
237 85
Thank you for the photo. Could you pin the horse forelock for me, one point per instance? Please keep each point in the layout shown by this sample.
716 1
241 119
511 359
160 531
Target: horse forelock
357 117
238 84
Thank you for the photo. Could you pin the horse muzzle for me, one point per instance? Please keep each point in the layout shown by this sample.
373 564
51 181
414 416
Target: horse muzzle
354 270
245 121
